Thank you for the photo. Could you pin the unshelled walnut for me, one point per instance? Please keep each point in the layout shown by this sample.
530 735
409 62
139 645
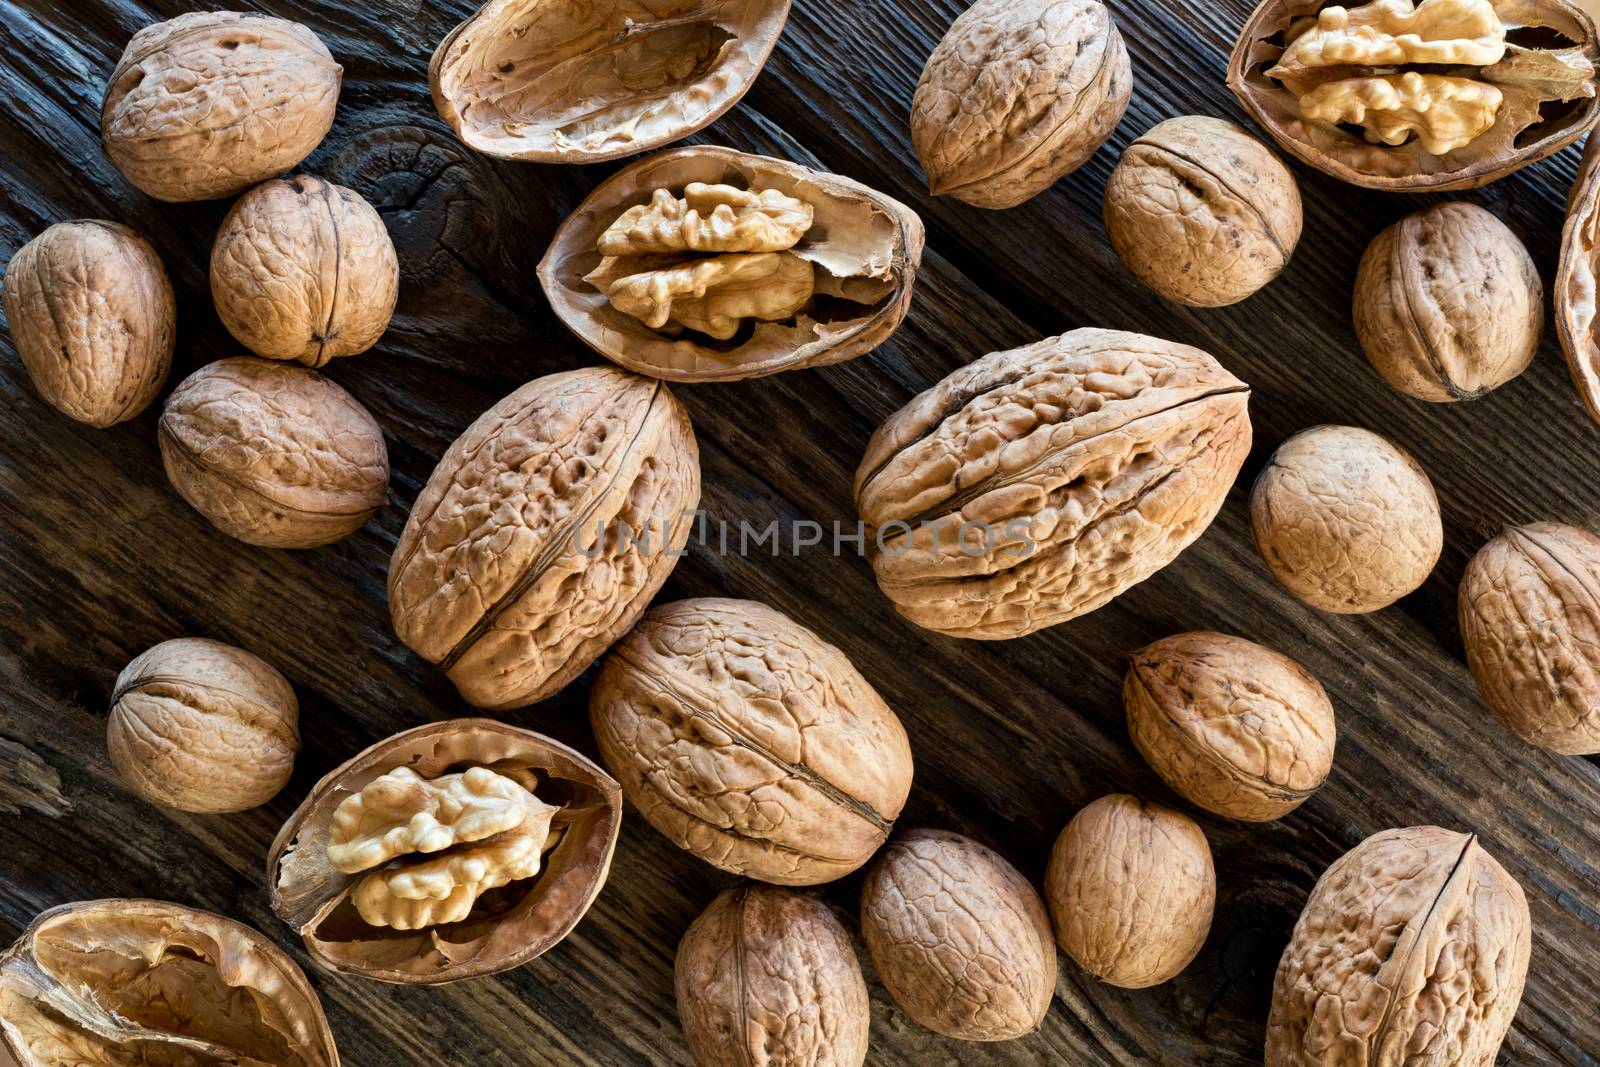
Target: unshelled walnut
303 269
958 937
543 533
1413 949
1202 212
1131 888
751 742
202 726
1448 303
92 315
769 976
1578 282
1346 519
210 103
1236 728
104 983
706 264
449 851
273 454
1018 95
1035 485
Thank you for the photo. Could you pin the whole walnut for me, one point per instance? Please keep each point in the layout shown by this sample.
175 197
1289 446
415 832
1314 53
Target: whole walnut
210 103
303 269
769 976
1448 303
958 936
273 454
92 315
1202 212
1346 519
1018 94
202 726
1131 888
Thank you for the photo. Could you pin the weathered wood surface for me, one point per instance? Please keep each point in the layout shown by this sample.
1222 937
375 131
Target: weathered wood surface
98 558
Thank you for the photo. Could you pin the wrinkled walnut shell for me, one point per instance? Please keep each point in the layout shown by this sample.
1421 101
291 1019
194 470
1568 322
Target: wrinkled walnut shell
1576 287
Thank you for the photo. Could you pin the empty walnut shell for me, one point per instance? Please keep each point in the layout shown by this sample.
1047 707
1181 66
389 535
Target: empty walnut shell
864 249
580 81
508 926
147 982
1576 286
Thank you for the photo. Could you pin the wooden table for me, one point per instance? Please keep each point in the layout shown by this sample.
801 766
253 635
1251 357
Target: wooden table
99 559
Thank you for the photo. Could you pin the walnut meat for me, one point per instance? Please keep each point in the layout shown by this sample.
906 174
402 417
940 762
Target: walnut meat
273 454
92 315
210 103
1202 212
1035 485
750 742
1577 309
766 975
958 936
1412 949
544 532
1017 96
303 269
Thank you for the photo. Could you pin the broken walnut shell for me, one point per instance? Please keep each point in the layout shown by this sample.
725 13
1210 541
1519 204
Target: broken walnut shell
1577 290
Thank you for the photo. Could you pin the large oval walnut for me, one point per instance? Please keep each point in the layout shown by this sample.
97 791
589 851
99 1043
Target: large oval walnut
1577 286
1035 485
706 264
449 851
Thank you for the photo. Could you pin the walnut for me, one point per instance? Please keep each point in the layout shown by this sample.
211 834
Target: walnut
1346 519
1577 317
210 103
1448 303
1018 95
766 975
1412 949
1035 485
1131 888
1202 212
92 315
543 533
303 269
706 264
273 454
1236 728
202 726
749 741
958 936
449 851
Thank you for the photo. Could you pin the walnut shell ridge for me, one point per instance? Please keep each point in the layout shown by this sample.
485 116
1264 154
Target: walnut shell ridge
1576 285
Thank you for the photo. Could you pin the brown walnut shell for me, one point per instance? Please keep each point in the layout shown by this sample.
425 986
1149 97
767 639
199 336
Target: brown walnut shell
543 533
864 249
508 926
147 982
1576 286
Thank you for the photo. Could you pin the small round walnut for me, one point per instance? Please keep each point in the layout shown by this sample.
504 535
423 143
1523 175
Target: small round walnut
1346 519
202 726
1448 304
1202 212
303 269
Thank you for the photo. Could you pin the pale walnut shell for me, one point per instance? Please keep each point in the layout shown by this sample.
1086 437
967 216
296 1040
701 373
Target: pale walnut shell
959 937
502 577
1017 95
1448 303
1530 620
1412 949
1345 519
303 269
1131 888
1202 212
104 982
92 315
202 726
750 742
210 103
1576 288
1091 459
273 454
769 976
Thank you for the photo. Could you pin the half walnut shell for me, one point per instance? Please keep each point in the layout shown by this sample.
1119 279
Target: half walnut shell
507 925
1577 308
